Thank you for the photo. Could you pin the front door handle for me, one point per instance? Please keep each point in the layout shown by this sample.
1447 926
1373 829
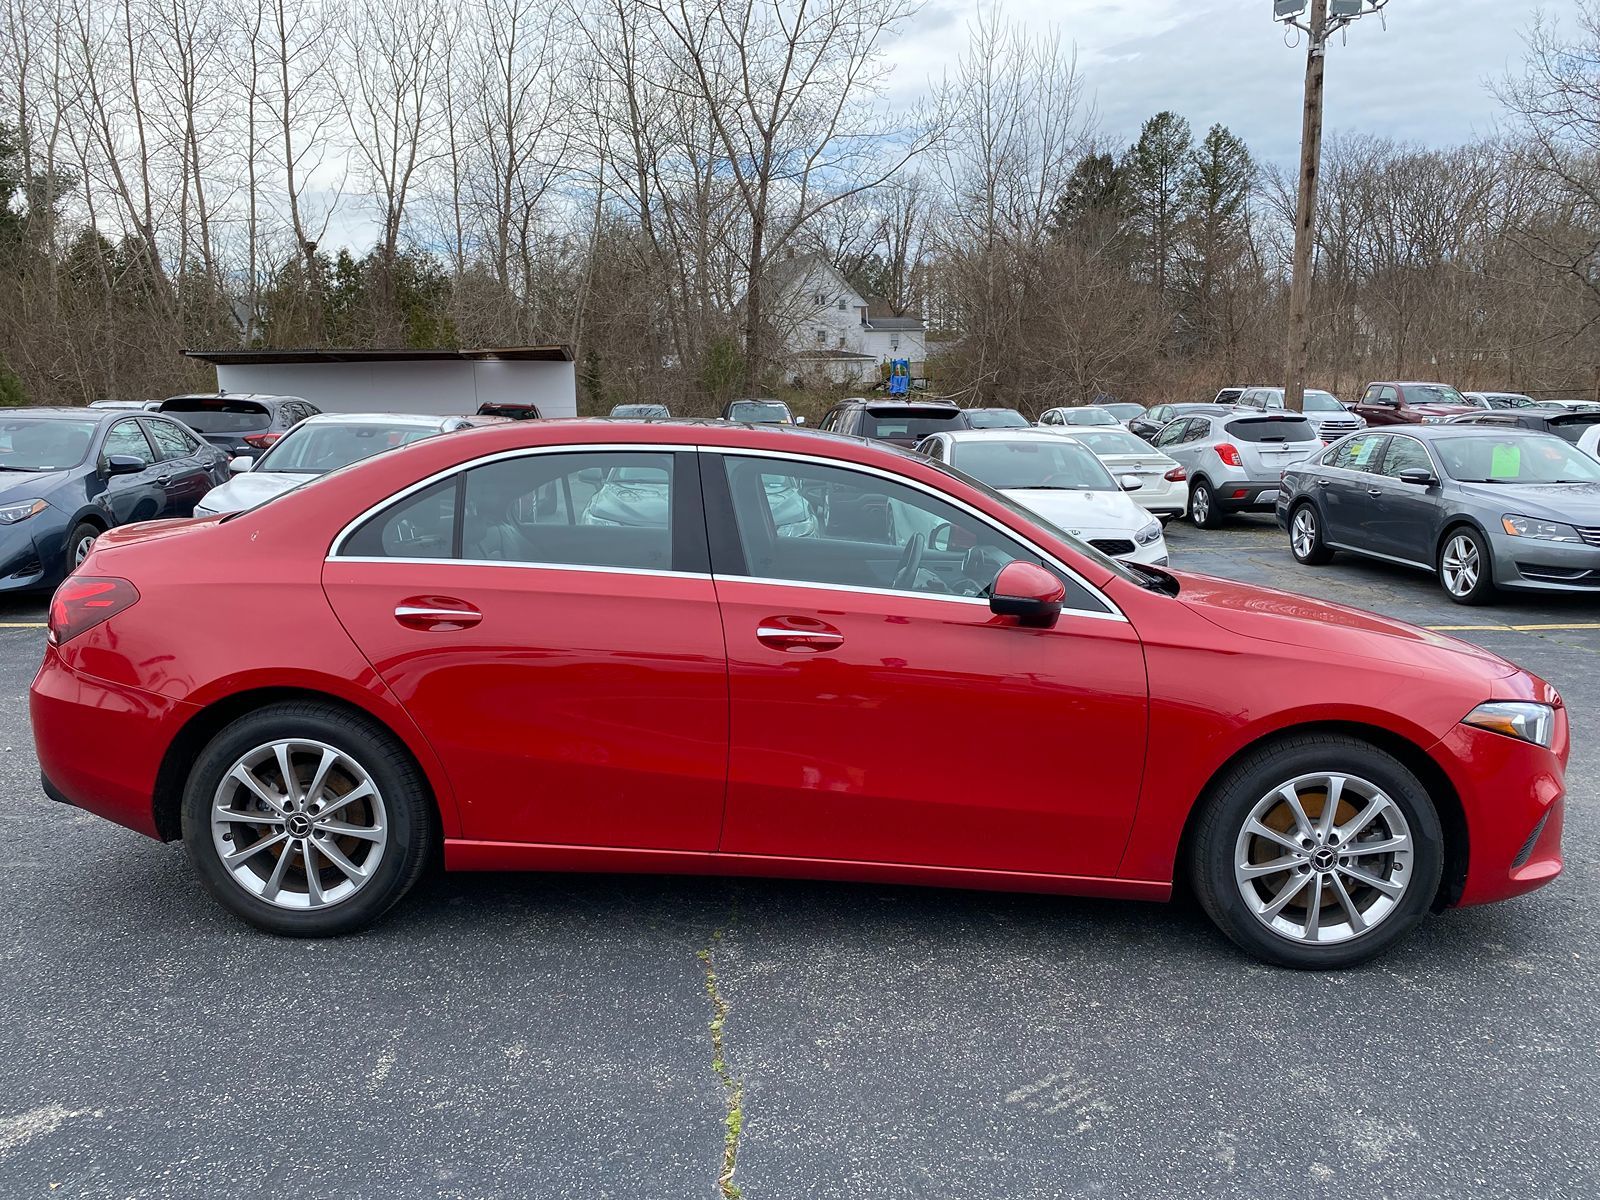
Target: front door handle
1324 482
798 635
436 614
1374 491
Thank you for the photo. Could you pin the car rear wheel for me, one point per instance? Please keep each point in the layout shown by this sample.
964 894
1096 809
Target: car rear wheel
305 820
1465 570
1318 852
1305 537
1203 510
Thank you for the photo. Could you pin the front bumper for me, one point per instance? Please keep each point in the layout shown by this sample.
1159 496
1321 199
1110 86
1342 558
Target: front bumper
101 744
33 552
1535 565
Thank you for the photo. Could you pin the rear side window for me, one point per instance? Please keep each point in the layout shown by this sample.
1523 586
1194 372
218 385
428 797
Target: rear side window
172 440
420 526
206 414
1272 429
902 423
1358 453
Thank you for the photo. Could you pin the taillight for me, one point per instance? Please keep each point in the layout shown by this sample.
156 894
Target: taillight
261 440
83 601
1229 454
1176 475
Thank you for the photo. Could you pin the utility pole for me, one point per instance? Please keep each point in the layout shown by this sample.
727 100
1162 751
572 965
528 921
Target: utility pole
1305 219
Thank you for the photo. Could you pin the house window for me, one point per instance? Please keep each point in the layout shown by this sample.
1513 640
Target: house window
822 337
841 341
820 300
841 303
894 341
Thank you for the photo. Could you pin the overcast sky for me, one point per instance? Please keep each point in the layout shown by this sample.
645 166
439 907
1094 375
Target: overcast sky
1422 79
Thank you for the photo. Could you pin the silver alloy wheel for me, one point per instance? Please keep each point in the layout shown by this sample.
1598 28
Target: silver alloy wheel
1460 565
81 550
1303 535
1323 858
1200 505
299 823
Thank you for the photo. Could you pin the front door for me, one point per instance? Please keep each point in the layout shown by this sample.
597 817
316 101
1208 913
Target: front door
1405 516
133 495
881 713
549 622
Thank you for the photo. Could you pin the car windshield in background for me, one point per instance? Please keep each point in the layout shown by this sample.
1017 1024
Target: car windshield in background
640 410
1271 429
1089 416
318 449
1123 412
904 423
1538 458
996 418
1035 463
1434 393
759 412
44 445
1113 441
1322 402
204 414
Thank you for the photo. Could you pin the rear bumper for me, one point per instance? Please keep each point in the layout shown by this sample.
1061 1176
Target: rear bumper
100 744
1244 496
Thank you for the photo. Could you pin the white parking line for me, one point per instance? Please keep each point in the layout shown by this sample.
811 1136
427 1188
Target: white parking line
1514 628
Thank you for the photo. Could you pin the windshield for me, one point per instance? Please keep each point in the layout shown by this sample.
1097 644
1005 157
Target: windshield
1035 463
640 410
1322 402
1114 441
214 414
44 444
1123 412
760 412
1535 458
1088 416
318 449
996 418
1436 393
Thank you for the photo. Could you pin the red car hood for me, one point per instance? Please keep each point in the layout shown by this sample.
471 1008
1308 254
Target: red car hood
1443 410
1276 616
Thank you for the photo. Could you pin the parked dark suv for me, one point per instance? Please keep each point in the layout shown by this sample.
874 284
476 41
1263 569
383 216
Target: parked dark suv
1400 403
899 422
245 423
1567 423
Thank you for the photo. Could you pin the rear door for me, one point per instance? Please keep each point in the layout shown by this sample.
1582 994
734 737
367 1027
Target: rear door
567 667
184 472
1346 488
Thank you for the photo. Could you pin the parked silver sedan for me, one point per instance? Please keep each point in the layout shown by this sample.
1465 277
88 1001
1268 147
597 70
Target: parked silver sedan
1234 460
1482 507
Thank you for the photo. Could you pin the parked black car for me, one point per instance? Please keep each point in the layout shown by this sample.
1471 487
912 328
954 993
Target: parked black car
899 422
69 474
1150 424
641 412
511 410
1568 423
239 424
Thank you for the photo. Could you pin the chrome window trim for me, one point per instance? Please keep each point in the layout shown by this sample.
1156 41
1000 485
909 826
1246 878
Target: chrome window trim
1112 611
524 566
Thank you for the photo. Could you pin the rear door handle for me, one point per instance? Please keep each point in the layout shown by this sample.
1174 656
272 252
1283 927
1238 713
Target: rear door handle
1374 491
798 634
436 614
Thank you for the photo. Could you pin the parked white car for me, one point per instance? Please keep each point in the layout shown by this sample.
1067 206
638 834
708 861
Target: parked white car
1164 485
1059 478
1589 443
1089 414
314 447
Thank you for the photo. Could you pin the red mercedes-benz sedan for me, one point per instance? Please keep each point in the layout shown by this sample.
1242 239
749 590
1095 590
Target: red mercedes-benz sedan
705 647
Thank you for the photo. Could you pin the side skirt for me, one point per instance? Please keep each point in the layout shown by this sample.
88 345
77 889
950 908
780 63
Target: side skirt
464 855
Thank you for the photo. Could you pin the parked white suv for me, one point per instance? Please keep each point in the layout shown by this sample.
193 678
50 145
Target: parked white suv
1328 417
1235 461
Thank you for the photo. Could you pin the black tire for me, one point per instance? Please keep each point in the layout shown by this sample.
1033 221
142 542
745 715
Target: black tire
83 531
1253 780
407 806
1203 510
1305 534
1457 546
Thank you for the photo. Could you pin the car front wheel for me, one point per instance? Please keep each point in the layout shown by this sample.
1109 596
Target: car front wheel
1318 852
1305 537
1465 569
305 820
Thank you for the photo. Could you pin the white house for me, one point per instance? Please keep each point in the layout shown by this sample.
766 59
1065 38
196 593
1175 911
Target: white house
442 382
831 331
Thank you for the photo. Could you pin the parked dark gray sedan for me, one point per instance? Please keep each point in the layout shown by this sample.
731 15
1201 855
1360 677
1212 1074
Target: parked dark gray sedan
1481 507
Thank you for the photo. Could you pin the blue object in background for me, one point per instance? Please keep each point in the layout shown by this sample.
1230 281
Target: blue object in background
899 376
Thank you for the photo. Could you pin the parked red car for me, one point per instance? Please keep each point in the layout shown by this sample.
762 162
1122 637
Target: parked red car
762 651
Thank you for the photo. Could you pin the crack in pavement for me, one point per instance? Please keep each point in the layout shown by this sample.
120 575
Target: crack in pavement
732 1087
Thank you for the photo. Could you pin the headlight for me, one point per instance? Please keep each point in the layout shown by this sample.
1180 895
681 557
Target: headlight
1521 719
20 510
1148 533
1545 531
1434 420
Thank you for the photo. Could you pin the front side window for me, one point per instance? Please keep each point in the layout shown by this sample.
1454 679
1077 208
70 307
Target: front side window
864 531
1174 432
127 439
1406 454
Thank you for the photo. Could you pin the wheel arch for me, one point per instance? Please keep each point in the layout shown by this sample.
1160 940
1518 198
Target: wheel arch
1463 520
1452 816
197 732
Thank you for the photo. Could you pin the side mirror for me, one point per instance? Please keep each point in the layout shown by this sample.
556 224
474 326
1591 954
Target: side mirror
799 420
1129 483
1027 592
947 537
124 464
1417 476
240 464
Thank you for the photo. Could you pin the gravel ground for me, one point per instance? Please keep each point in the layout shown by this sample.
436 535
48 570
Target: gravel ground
525 1036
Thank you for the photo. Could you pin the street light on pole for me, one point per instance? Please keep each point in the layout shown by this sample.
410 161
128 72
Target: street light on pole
1326 17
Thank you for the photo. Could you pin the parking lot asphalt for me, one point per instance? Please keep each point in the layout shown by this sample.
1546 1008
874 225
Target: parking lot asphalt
531 1036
